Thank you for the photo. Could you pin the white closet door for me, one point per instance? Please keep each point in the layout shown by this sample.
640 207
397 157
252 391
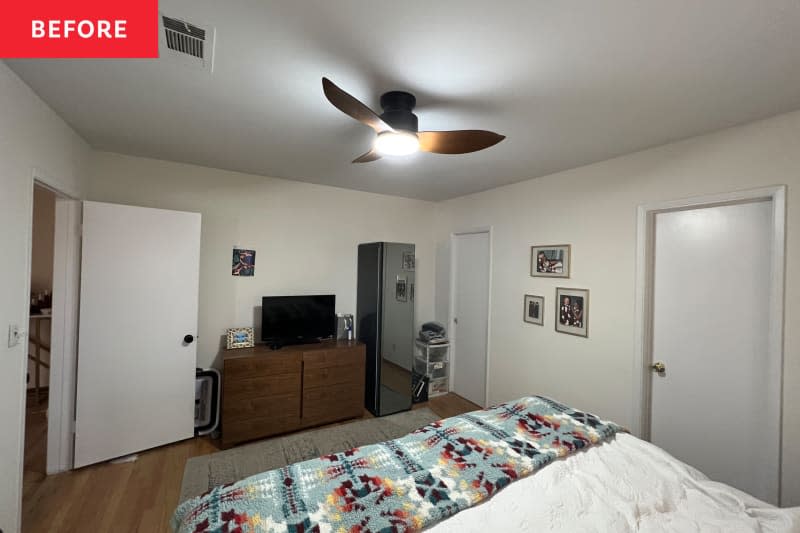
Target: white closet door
471 315
139 296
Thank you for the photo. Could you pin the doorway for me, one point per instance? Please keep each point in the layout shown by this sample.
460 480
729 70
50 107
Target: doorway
54 279
710 294
39 334
469 312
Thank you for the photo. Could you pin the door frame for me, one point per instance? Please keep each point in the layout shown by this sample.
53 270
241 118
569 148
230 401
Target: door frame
489 230
643 311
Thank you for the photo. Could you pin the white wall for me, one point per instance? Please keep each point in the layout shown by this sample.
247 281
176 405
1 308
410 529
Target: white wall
594 209
32 137
305 235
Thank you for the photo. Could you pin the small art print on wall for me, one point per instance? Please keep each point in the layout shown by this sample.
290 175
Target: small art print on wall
244 262
572 311
552 261
534 309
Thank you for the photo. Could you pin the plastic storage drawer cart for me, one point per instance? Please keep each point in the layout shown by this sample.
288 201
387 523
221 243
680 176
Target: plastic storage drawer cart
433 361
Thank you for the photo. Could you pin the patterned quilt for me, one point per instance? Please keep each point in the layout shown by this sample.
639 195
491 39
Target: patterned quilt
400 485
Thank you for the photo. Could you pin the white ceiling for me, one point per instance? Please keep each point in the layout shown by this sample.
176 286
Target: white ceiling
568 82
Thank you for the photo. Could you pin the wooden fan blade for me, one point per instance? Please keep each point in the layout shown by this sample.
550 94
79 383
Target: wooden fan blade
349 105
372 155
457 142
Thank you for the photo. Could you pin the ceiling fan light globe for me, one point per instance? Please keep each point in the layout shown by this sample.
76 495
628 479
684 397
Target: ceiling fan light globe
396 143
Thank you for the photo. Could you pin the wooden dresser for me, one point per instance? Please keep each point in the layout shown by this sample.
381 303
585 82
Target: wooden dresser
266 392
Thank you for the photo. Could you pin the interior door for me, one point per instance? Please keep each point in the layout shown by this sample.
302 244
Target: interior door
139 295
471 315
716 405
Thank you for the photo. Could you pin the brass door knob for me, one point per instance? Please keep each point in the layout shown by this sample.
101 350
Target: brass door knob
659 367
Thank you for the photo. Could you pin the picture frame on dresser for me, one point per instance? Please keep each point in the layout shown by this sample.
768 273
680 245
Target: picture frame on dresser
239 338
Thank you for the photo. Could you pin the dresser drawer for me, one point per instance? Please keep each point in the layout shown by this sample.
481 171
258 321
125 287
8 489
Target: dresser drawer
350 356
257 427
336 402
333 375
267 365
278 406
240 388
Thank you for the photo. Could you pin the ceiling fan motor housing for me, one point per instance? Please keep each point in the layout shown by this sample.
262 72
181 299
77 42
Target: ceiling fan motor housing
397 107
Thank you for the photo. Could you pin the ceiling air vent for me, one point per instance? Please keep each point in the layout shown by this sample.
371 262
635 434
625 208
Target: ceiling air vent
184 37
189 43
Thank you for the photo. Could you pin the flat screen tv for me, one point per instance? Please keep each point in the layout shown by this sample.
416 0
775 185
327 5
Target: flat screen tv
297 319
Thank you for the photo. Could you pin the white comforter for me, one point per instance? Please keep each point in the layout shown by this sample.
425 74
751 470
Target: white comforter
623 485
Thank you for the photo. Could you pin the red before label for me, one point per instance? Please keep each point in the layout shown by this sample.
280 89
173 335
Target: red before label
79 28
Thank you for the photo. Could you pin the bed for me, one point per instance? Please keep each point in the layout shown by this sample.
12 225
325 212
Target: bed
528 465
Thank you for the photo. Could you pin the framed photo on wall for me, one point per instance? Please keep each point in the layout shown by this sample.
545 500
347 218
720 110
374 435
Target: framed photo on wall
533 312
572 311
551 261
240 338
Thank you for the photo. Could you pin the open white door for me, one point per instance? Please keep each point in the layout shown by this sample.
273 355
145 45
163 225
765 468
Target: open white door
139 295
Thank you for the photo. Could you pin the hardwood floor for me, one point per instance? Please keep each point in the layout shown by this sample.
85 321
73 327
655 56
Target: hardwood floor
128 497
449 405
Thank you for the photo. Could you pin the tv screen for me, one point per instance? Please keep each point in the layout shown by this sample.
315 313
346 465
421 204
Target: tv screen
297 319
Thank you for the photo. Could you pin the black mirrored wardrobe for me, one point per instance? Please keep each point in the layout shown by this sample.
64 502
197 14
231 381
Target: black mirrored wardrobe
385 323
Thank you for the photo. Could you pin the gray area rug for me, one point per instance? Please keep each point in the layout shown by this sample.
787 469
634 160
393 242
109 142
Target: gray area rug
207 471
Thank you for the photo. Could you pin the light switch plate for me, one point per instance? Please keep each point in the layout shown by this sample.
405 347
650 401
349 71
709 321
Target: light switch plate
13 335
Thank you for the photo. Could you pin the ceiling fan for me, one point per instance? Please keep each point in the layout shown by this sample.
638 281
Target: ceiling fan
397 127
